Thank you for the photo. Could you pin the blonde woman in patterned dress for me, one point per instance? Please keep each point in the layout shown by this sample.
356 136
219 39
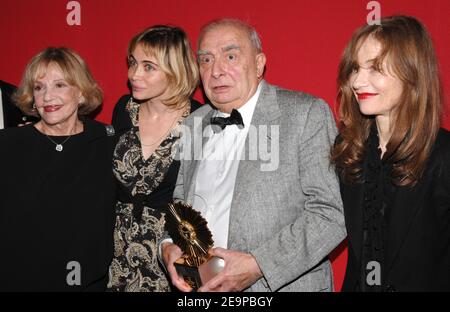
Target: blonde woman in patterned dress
162 76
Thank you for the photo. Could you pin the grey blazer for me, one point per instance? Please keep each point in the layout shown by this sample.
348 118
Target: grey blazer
289 218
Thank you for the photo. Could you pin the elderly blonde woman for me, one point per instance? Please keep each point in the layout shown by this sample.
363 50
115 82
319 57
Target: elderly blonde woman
162 74
57 190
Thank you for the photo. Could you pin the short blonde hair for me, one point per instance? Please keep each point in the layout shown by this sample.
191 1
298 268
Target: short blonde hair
75 71
170 46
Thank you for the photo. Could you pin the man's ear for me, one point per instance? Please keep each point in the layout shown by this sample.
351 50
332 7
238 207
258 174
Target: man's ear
260 64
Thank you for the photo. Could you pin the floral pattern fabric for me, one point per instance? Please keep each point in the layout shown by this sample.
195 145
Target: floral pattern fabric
135 266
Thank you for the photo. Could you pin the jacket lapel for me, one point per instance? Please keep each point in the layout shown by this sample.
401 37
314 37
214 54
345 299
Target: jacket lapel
400 220
352 196
266 112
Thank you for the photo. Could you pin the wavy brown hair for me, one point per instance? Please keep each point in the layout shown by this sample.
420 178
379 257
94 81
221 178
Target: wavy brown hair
416 120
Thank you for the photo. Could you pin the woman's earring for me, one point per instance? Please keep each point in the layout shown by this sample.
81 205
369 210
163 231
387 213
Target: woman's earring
82 100
34 106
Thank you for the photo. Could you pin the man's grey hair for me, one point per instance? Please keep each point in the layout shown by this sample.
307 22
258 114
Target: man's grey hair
250 30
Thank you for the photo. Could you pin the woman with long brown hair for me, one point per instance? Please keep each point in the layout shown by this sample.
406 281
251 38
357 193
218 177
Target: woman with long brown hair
390 156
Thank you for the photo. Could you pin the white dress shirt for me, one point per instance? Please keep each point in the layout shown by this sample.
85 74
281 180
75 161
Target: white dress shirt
216 176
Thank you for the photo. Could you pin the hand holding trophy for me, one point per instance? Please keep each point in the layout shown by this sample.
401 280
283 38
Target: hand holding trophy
189 230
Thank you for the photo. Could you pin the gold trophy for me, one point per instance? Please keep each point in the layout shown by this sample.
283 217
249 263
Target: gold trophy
189 230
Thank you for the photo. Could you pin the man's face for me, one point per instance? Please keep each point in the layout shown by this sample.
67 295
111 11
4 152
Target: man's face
230 67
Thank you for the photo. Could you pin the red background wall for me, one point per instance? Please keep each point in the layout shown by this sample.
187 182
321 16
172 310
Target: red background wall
302 39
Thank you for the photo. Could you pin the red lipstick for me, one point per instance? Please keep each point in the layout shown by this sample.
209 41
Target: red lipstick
365 96
52 108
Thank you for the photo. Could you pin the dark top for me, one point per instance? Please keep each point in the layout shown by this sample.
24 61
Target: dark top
56 208
378 191
122 121
145 188
12 115
416 255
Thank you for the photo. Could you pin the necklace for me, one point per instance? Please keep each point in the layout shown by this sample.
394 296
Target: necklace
59 146
164 135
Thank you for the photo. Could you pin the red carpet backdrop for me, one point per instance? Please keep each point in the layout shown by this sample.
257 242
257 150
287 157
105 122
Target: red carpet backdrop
303 40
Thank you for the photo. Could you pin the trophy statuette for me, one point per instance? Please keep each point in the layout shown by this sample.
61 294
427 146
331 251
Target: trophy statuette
189 230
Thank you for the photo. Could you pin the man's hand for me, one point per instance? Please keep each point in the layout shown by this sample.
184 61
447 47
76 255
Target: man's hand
170 253
241 271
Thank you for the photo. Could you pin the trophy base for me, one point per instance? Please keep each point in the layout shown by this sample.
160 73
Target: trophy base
197 276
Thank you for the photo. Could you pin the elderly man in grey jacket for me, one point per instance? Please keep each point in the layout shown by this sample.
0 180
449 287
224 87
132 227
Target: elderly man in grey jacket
261 174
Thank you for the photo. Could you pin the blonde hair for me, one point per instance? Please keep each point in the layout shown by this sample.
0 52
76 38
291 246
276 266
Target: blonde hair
75 71
170 46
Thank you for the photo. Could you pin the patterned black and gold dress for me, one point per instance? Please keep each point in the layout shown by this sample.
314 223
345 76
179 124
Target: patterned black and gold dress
145 188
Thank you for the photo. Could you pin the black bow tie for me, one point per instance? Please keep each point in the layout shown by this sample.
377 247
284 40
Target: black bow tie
234 119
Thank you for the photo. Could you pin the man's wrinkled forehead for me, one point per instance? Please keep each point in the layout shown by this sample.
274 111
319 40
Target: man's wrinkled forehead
224 37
